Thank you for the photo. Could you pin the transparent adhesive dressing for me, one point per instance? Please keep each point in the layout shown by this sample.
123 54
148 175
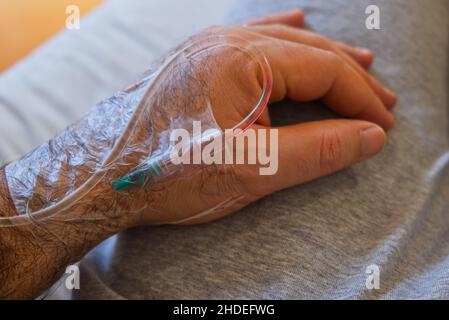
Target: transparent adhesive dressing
124 142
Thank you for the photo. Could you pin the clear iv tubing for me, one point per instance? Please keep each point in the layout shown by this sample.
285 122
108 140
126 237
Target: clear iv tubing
122 141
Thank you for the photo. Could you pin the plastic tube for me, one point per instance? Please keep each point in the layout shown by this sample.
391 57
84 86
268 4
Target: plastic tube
156 167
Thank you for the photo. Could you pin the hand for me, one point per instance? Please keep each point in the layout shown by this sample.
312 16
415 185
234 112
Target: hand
305 67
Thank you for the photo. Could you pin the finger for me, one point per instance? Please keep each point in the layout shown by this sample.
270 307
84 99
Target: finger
387 96
309 38
315 149
305 73
362 56
294 18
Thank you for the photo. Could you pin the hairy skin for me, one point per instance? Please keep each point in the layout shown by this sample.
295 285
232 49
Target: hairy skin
32 257
305 67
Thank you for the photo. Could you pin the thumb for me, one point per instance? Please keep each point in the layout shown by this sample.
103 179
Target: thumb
311 150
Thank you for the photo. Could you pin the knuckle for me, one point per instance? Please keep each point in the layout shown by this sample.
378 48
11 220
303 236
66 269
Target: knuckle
335 59
334 63
280 29
325 43
213 29
289 50
330 152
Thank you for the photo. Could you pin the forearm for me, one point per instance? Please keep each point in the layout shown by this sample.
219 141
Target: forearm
35 252
34 256
61 198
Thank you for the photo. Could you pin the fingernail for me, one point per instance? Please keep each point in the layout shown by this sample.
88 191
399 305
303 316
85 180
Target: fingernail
373 141
364 50
391 93
296 11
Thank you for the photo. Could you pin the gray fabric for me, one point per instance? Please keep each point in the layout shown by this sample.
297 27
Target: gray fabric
316 240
